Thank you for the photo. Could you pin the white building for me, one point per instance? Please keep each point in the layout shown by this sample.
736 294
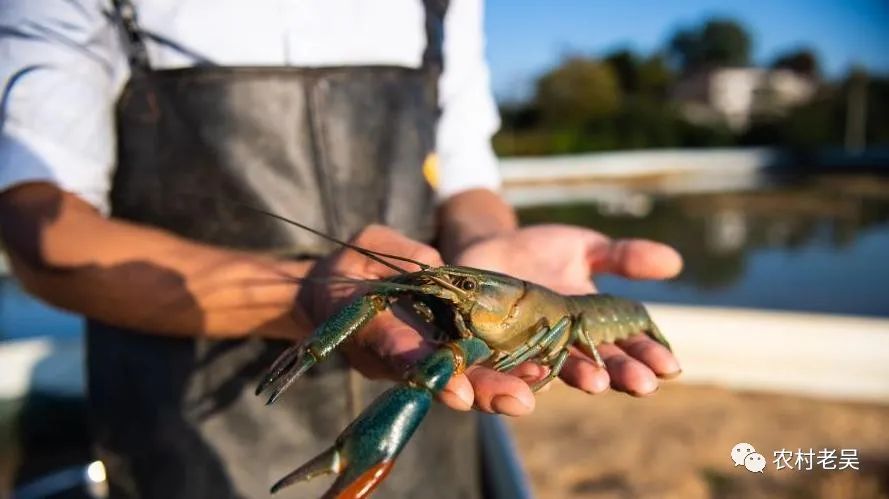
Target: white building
733 95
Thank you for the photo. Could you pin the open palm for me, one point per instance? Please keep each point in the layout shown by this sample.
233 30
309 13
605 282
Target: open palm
564 258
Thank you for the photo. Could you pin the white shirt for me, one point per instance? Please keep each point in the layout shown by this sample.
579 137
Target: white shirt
62 68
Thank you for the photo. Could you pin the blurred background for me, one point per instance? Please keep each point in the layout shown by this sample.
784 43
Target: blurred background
754 137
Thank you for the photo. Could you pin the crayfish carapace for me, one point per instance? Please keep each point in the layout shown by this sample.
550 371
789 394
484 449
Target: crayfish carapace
485 317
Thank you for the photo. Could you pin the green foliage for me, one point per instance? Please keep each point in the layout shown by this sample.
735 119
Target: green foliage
819 122
802 61
877 115
577 91
655 77
718 43
648 76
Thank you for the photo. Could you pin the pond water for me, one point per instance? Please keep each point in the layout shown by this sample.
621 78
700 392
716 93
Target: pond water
815 244
22 316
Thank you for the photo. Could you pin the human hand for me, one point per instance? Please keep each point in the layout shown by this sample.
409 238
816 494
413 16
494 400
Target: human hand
564 258
387 346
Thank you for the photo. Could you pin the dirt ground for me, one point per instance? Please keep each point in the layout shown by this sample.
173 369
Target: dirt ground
677 443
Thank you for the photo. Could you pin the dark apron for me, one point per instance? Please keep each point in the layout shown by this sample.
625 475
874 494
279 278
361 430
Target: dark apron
335 148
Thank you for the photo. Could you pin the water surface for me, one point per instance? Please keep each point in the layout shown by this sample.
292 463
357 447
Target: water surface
814 244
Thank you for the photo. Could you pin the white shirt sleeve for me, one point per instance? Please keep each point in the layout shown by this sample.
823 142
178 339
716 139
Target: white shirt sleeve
469 117
60 74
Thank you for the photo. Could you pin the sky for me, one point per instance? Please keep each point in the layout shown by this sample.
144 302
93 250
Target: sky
526 37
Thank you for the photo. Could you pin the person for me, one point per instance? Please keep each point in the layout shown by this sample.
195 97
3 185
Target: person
366 120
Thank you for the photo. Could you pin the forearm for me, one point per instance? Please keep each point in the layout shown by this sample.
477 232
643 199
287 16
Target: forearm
471 216
138 277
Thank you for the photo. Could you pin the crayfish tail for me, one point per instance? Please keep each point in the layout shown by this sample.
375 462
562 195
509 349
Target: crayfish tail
325 463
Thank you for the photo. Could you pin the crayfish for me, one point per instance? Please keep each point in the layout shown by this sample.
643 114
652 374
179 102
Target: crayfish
486 318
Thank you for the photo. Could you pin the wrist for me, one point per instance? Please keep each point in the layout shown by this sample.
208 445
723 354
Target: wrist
254 294
473 216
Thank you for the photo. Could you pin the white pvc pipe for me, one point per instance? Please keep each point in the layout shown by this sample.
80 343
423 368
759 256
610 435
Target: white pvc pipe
833 356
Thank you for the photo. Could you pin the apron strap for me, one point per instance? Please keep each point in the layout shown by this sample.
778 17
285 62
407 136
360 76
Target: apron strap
435 13
134 42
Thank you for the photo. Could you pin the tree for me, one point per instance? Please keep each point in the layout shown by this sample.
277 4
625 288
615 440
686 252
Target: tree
718 43
626 67
803 62
649 76
655 77
580 90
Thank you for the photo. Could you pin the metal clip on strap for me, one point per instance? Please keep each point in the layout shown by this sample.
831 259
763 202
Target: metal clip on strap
134 42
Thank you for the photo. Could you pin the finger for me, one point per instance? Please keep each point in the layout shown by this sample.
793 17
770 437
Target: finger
458 393
391 345
498 392
651 353
636 259
529 372
627 374
398 347
582 373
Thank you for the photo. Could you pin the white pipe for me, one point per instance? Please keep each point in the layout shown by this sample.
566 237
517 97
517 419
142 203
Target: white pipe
832 356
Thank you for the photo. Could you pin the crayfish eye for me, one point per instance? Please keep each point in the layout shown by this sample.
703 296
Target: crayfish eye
467 285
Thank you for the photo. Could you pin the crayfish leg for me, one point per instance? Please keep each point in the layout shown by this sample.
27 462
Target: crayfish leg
542 340
584 342
554 371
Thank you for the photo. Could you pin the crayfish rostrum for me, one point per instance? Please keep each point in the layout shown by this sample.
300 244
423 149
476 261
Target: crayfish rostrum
485 317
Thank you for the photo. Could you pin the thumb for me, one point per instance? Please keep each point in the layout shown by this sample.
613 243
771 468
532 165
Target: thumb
636 259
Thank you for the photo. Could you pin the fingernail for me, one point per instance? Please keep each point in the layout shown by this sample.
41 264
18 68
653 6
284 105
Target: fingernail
511 406
592 391
453 397
671 375
594 385
645 393
467 400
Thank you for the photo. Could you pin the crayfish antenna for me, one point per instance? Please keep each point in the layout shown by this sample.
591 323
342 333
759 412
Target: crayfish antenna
325 463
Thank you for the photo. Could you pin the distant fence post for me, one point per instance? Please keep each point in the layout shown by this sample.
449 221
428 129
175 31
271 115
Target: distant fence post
856 112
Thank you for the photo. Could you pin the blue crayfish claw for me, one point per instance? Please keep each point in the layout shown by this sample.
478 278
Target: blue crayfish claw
298 359
366 450
289 366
